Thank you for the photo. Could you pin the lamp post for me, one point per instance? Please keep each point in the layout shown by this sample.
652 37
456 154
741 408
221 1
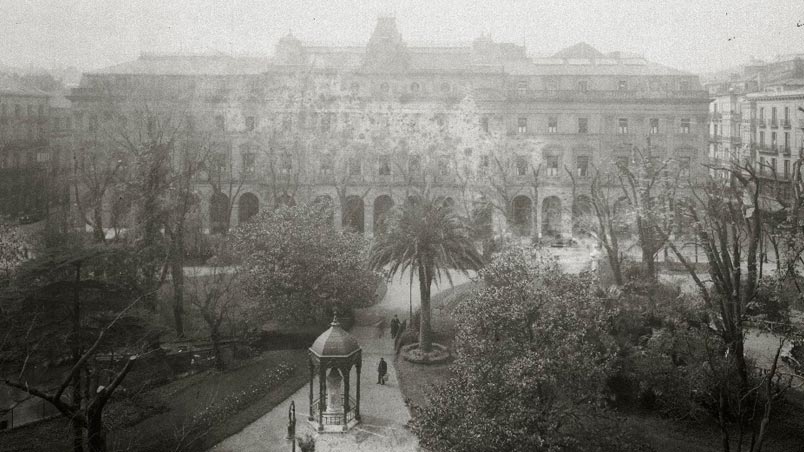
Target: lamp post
292 425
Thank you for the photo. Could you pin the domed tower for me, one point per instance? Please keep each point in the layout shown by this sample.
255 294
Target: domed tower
290 51
333 355
386 52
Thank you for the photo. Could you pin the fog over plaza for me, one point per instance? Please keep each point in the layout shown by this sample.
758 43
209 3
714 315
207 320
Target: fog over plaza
691 35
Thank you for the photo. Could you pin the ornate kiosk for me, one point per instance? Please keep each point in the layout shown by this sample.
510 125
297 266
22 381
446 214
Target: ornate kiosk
332 355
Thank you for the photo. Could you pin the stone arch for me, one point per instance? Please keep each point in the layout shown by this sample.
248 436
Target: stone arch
285 200
551 216
353 214
382 205
522 211
248 205
219 213
326 204
581 215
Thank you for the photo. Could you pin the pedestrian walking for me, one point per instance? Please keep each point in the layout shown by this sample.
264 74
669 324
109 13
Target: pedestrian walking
394 327
382 369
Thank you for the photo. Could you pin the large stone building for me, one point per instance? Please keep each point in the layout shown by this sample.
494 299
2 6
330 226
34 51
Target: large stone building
364 126
26 159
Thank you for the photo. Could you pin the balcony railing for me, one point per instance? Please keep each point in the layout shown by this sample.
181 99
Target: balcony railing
786 123
335 418
603 95
774 124
761 122
786 151
715 116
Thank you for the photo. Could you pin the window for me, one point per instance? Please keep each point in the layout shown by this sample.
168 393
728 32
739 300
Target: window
551 162
685 126
762 138
654 126
786 116
415 87
582 166
787 142
583 86
684 85
249 162
622 126
220 123
551 84
384 87
773 165
684 166
622 85
443 166
445 88
521 165
354 88
285 163
522 87
384 165
773 141
773 116
354 166
42 157
414 164
18 110
484 124
219 163
522 126
787 169
762 166
483 164
761 113
250 123
583 125
326 164
552 124
714 129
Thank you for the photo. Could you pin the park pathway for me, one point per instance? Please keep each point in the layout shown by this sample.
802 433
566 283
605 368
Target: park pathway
383 411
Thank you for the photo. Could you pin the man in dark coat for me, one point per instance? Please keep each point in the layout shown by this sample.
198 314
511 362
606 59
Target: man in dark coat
382 369
394 327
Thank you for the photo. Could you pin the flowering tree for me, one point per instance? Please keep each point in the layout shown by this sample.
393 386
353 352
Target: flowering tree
298 267
532 358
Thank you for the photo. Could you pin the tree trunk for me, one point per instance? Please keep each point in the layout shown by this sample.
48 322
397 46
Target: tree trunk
177 273
425 332
96 434
78 430
216 349
97 226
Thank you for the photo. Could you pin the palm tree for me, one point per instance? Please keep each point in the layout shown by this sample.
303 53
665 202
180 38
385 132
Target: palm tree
426 236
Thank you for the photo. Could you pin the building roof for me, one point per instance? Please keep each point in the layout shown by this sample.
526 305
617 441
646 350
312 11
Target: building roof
11 87
776 95
335 342
197 64
579 50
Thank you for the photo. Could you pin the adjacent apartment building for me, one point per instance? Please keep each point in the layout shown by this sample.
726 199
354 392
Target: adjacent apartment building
363 127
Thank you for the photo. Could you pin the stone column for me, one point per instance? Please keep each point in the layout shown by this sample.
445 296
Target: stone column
312 376
346 406
357 394
322 393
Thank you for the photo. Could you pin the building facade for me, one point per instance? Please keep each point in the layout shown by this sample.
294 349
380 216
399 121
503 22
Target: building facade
24 152
365 127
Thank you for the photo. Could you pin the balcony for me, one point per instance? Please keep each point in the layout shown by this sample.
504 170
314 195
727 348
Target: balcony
786 151
763 149
786 123
600 95
761 122
715 116
774 124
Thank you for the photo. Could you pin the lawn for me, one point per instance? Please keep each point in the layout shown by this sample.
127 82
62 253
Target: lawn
207 392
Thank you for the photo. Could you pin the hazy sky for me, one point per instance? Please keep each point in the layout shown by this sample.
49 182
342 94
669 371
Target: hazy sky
696 35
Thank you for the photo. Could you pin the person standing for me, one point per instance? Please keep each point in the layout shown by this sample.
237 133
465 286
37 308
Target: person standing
394 327
382 369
